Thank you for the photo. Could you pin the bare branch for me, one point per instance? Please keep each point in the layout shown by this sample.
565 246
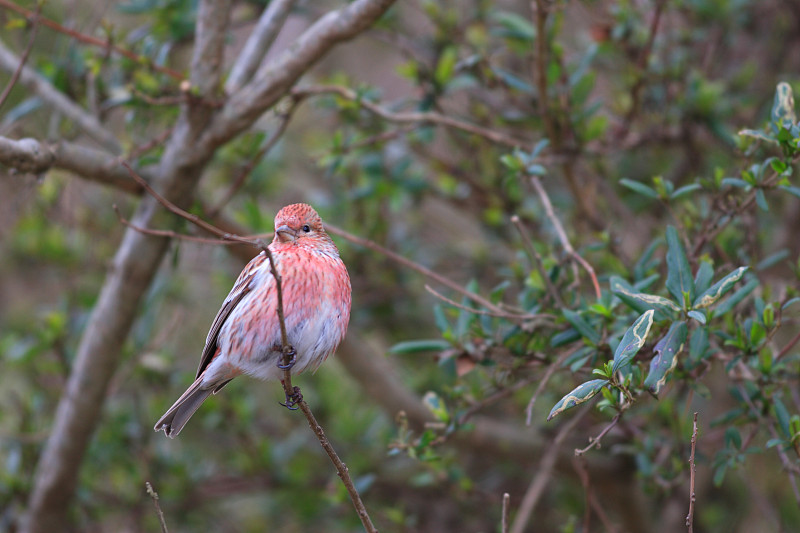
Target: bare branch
26 155
543 473
274 78
154 496
504 516
34 21
562 235
212 23
258 43
692 469
411 117
88 39
595 441
53 97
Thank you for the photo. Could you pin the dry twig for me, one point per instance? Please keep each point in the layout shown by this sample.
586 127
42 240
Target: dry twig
692 470
154 495
562 235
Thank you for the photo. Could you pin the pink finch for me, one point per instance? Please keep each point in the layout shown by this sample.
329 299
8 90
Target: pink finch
245 337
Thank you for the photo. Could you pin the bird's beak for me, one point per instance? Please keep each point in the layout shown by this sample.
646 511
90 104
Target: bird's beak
285 233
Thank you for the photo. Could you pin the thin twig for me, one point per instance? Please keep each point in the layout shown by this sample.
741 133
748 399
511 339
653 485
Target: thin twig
692 469
544 471
789 346
539 388
492 398
504 516
499 314
291 392
537 260
34 21
414 117
562 235
169 234
247 169
105 45
366 243
154 495
595 441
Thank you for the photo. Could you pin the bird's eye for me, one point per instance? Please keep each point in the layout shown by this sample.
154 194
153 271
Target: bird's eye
306 228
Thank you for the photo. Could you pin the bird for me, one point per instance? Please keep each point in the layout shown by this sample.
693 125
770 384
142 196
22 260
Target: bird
245 337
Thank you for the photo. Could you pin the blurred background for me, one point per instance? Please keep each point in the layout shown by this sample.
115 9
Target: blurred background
423 134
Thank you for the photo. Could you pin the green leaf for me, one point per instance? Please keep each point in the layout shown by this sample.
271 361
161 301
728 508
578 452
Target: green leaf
666 351
633 340
577 396
514 26
641 188
736 297
761 200
679 275
422 345
683 191
791 190
446 65
697 315
583 327
702 280
640 301
719 289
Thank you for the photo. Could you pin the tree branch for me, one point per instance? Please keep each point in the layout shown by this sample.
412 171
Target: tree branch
56 99
258 43
429 117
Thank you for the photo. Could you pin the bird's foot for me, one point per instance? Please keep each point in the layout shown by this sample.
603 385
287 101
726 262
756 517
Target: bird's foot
292 359
293 399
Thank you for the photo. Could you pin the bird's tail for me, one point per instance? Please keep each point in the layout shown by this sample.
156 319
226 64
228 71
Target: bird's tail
182 410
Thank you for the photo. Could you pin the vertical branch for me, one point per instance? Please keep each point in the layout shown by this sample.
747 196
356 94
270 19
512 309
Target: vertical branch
562 235
504 516
154 495
692 468
24 58
543 474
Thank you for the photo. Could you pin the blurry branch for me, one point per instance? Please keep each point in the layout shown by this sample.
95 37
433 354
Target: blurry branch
258 43
641 68
499 314
504 515
397 258
555 365
53 97
128 278
292 393
692 470
88 39
544 472
552 291
427 117
247 169
562 235
33 20
154 495
275 78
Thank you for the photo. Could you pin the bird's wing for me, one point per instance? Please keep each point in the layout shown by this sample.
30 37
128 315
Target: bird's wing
239 291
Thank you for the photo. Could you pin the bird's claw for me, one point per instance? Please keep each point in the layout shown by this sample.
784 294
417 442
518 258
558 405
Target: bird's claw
293 399
293 359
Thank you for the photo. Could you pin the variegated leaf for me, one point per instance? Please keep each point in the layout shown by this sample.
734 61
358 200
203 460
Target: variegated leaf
579 394
666 350
718 290
633 340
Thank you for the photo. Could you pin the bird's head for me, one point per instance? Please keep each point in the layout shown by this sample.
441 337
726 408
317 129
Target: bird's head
300 224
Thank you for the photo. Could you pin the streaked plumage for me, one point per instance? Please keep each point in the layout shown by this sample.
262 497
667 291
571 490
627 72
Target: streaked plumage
245 336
